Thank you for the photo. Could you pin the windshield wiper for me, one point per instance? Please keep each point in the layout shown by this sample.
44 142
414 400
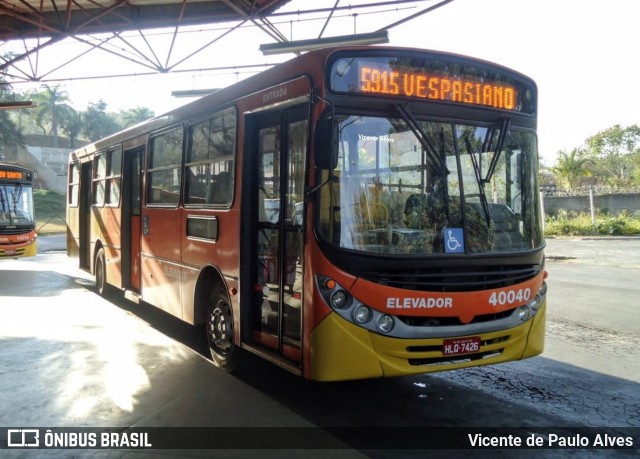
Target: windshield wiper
15 196
479 181
494 161
488 141
445 188
436 160
2 201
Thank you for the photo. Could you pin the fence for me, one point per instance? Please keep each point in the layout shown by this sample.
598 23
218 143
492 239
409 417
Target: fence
591 200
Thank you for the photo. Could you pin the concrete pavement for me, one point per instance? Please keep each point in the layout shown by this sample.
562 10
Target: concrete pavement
71 358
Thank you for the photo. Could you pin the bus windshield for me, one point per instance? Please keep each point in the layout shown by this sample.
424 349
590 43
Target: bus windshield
16 205
408 187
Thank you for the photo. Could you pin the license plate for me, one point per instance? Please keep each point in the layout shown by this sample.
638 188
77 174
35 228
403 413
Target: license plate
10 252
461 346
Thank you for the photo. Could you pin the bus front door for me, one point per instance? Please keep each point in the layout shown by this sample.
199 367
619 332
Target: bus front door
277 144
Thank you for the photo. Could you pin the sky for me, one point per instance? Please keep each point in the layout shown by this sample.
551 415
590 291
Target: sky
582 54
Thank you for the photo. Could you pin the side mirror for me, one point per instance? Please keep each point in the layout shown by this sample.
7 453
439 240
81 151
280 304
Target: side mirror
325 145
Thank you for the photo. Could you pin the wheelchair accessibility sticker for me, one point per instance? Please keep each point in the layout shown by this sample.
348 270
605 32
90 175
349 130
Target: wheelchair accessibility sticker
453 240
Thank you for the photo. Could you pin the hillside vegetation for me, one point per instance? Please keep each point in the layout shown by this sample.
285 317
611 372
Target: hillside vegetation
50 210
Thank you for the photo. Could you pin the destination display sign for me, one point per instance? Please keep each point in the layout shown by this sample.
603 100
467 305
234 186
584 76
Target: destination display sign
433 79
11 174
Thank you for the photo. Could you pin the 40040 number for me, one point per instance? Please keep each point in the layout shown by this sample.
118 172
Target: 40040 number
510 296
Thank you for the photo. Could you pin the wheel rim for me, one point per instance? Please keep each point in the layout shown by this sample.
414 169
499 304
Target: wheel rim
220 328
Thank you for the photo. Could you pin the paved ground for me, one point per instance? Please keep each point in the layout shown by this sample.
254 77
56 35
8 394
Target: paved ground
621 252
70 358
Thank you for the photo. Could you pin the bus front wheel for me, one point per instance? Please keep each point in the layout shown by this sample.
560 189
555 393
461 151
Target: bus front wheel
219 329
101 273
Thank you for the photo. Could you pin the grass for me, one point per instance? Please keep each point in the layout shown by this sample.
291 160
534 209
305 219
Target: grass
50 210
575 224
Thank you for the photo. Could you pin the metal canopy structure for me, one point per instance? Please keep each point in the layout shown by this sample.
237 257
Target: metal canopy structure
124 28
39 24
57 19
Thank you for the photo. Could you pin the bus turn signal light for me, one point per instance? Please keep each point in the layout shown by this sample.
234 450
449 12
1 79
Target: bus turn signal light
330 284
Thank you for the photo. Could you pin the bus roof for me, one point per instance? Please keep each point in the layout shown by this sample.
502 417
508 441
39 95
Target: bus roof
304 65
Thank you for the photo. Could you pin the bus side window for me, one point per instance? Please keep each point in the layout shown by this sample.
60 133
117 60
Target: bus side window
114 170
164 167
99 179
74 184
210 161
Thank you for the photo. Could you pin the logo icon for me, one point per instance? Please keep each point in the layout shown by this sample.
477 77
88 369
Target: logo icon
23 438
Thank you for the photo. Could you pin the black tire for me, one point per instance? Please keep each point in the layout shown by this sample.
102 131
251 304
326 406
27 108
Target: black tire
219 330
100 271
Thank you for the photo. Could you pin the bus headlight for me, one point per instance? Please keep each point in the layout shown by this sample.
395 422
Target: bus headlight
543 289
362 314
535 303
354 311
339 299
385 323
524 313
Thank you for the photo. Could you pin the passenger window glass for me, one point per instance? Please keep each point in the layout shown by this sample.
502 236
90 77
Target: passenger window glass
210 161
114 163
100 168
165 158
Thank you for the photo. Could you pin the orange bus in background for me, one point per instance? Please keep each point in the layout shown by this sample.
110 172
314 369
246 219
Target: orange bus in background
17 219
355 212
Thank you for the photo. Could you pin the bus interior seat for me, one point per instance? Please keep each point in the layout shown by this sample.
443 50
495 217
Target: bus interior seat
220 192
419 210
506 226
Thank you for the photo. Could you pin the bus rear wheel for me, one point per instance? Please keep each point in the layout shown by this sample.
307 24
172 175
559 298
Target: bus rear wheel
100 271
219 330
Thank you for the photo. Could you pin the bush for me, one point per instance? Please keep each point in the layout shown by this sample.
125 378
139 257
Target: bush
574 224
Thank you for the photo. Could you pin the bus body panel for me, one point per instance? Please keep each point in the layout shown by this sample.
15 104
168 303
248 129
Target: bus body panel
73 239
535 341
161 284
463 305
32 249
510 344
18 245
220 254
160 258
106 234
340 350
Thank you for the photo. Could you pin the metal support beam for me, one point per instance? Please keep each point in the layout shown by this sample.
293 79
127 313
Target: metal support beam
43 23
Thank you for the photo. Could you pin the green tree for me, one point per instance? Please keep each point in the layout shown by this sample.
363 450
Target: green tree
570 168
51 108
97 122
546 177
72 125
635 173
613 153
9 133
136 115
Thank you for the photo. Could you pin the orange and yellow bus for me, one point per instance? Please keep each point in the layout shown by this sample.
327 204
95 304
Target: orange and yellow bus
17 220
355 212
